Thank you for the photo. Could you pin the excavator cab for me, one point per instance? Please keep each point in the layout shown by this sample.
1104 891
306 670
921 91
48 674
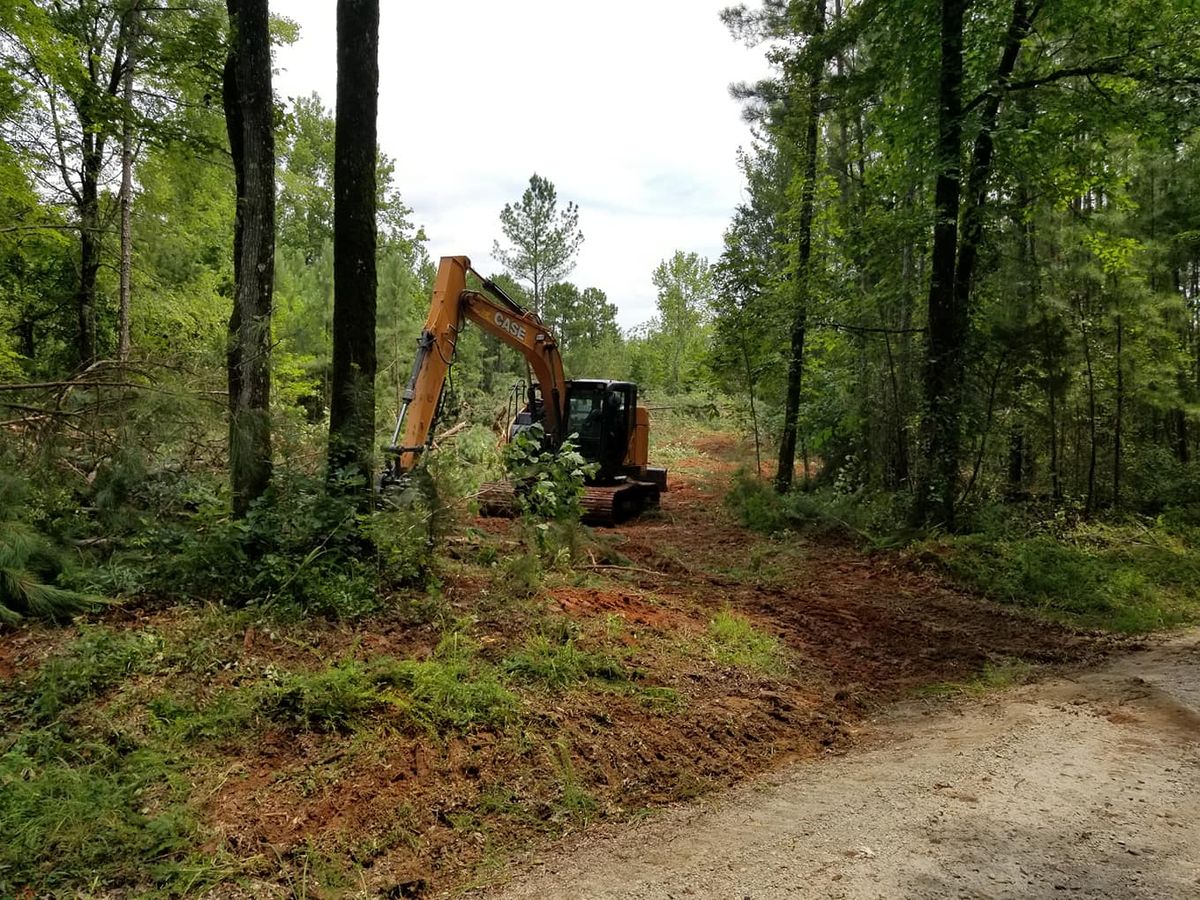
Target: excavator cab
602 415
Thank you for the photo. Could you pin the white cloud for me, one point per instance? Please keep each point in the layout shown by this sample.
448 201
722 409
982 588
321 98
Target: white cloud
623 105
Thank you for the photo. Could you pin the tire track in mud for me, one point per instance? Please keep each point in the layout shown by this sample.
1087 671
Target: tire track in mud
867 623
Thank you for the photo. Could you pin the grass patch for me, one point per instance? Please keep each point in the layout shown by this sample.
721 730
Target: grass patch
335 699
90 812
734 641
1126 577
560 663
574 801
89 667
85 800
994 677
449 692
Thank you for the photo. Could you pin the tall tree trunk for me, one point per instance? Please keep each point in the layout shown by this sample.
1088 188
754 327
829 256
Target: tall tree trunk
1119 415
955 255
753 404
1179 424
249 115
1016 460
1056 490
801 278
981 156
352 411
89 250
1090 503
946 333
126 275
897 465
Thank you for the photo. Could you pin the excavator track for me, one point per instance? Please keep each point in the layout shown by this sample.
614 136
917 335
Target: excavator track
602 504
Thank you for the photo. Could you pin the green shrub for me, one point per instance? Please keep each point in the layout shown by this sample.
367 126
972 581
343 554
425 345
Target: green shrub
301 550
1126 577
522 574
875 518
756 504
549 482
31 566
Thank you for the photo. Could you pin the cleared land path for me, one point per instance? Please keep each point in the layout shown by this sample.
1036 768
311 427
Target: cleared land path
1084 786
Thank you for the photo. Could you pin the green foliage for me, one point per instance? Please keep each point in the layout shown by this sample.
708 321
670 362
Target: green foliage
333 699
860 515
1125 576
90 812
580 320
549 482
556 661
574 801
301 550
523 572
29 567
734 641
543 239
452 691
82 800
97 661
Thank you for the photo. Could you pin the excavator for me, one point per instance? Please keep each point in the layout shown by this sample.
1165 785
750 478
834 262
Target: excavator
602 417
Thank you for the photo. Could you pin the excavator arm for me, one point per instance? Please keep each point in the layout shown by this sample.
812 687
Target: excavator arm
497 314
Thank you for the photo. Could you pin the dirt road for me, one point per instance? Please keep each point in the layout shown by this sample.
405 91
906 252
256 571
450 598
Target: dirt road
1084 786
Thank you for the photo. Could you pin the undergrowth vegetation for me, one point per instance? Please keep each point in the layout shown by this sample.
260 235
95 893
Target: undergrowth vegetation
1124 571
1132 575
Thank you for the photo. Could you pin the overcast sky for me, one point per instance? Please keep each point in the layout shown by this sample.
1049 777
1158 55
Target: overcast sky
623 105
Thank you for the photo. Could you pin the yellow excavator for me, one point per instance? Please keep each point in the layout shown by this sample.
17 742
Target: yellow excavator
601 417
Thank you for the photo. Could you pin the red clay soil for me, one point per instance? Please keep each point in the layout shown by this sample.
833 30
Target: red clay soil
865 623
422 815
418 815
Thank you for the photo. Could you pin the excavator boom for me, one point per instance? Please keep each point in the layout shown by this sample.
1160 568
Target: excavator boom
452 304
612 429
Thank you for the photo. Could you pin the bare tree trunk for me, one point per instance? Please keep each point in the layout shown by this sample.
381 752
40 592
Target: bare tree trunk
944 362
1120 410
249 113
1090 503
1016 460
352 411
753 407
898 458
801 292
89 251
126 275
1055 476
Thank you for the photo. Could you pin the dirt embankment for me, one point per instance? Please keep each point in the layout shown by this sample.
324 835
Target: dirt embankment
860 632
399 812
1075 787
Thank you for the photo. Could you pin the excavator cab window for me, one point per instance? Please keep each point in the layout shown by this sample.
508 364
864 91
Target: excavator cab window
601 414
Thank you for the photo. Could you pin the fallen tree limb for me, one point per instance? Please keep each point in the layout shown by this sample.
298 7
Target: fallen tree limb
601 566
